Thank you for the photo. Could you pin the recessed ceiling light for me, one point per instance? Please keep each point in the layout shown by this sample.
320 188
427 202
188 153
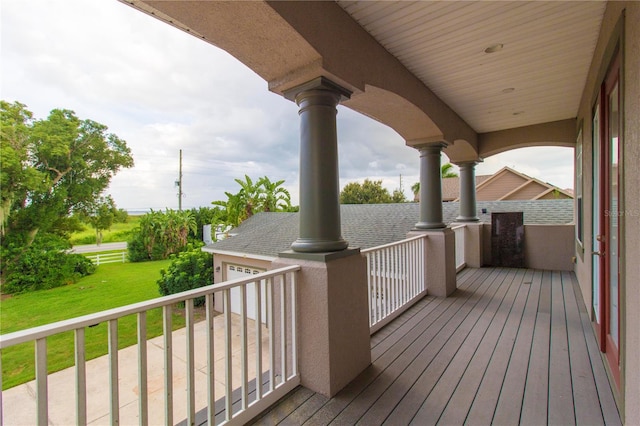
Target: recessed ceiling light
508 90
494 48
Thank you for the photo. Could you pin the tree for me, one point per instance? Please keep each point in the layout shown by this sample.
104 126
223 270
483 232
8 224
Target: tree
52 166
100 214
398 196
446 171
273 196
369 192
50 169
249 196
252 198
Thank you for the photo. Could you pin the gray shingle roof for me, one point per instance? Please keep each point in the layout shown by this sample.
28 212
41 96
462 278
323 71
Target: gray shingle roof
371 225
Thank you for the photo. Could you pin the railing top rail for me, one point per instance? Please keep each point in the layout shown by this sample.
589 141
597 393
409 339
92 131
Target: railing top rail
453 228
11 339
396 243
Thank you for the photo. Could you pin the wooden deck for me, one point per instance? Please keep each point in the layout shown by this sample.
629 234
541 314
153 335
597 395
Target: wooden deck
511 346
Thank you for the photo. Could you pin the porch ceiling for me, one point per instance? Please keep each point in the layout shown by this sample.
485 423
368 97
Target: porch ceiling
547 49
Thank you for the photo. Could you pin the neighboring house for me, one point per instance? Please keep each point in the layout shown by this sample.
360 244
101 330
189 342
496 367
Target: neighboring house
505 184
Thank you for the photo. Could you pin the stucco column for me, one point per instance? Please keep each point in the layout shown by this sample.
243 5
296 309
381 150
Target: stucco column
468 210
430 186
320 229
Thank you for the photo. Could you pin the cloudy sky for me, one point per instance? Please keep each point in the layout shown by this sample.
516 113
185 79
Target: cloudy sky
163 90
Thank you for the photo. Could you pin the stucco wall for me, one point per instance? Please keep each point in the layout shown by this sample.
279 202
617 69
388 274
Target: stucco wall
549 247
628 13
631 192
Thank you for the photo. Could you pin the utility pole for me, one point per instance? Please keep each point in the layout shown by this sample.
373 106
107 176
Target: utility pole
179 184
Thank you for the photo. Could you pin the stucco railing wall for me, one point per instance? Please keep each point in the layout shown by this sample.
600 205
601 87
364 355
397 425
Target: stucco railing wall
548 247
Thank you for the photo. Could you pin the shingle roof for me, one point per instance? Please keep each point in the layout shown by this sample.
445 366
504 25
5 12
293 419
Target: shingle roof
371 225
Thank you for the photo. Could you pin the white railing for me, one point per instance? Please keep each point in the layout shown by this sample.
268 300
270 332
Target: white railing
460 234
259 361
102 258
396 277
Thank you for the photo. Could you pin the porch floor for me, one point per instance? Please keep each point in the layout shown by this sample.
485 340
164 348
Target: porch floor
510 346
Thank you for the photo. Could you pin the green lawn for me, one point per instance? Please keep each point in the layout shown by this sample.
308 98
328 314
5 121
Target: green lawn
112 285
118 232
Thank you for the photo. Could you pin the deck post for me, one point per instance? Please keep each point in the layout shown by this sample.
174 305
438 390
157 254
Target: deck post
439 260
333 318
474 243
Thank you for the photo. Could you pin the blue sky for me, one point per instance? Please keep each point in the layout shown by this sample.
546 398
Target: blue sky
163 90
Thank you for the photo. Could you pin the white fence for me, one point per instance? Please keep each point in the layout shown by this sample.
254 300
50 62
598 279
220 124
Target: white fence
102 258
396 276
460 234
263 379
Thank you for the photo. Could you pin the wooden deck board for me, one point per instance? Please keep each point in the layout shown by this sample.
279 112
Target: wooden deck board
486 398
510 347
534 404
510 401
585 394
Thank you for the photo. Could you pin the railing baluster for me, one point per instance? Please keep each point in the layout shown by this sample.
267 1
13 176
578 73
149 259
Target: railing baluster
81 377
167 329
42 397
396 278
369 289
191 378
143 401
294 336
113 372
283 327
227 335
211 359
244 364
258 337
270 325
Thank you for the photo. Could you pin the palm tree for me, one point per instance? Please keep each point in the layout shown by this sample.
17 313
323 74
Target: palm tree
250 195
446 171
274 197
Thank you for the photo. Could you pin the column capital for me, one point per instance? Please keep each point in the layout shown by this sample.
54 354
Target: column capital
319 83
427 145
468 162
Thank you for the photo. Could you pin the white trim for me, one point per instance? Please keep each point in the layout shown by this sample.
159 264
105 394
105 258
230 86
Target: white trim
240 255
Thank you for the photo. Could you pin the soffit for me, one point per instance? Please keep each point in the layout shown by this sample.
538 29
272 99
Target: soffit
547 52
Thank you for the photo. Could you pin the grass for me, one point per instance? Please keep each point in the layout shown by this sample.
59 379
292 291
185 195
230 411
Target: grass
118 232
112 285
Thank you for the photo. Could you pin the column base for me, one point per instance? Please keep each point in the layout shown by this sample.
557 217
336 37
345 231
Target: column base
467 219
430 225
310 245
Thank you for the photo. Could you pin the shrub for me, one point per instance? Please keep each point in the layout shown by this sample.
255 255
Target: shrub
43 265
160 235
190 269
